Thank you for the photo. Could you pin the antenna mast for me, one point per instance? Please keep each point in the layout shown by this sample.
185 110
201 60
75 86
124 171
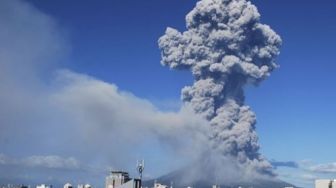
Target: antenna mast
140 167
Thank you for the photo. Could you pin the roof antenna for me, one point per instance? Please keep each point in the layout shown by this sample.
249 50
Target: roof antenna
140 167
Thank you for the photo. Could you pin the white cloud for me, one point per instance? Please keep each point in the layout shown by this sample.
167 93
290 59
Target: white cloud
52 161
49 161
101 125
4 159
101 114
307 172
323 168
309 177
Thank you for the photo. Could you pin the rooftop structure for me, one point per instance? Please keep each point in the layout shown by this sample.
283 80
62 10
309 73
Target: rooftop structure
325 183
121 179
116 178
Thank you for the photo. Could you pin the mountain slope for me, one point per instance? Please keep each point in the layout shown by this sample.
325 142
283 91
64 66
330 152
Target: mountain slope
179 181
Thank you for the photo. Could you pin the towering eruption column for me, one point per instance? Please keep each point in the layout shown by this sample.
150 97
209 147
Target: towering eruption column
225 47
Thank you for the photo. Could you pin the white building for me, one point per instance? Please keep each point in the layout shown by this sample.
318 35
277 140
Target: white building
87 186
43 186
159 185
84 186
215 186
325 183
67 185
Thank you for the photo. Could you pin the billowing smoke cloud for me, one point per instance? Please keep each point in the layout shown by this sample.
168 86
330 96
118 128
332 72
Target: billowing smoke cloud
53 120
225 47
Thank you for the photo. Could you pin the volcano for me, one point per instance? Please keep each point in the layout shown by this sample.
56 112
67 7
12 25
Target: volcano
178 180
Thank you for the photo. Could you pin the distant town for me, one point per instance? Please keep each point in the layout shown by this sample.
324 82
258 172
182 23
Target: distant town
121 179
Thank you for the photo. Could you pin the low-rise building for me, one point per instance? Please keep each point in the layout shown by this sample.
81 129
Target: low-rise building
67 185
325 183
159 185
44 186
120 179
84 186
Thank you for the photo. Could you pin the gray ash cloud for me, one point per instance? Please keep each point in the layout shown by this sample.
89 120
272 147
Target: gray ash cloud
226 48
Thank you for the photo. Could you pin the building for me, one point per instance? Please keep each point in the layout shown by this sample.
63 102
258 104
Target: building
116 178
44 186
67 185
87 186
215 186
133 183
159 185
84 186
325 183
120 179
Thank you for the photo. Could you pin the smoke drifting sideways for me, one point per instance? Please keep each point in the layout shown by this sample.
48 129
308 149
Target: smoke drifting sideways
58 125
226 48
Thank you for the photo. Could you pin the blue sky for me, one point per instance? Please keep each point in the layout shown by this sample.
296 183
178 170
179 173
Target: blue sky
116 42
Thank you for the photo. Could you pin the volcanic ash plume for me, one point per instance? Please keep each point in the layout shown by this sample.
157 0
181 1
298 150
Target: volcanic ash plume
226 48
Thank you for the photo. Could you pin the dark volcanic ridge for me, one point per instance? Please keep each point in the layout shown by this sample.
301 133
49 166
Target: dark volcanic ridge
178 180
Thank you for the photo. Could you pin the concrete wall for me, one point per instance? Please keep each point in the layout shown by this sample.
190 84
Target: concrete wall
116 179
134 183
325 183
